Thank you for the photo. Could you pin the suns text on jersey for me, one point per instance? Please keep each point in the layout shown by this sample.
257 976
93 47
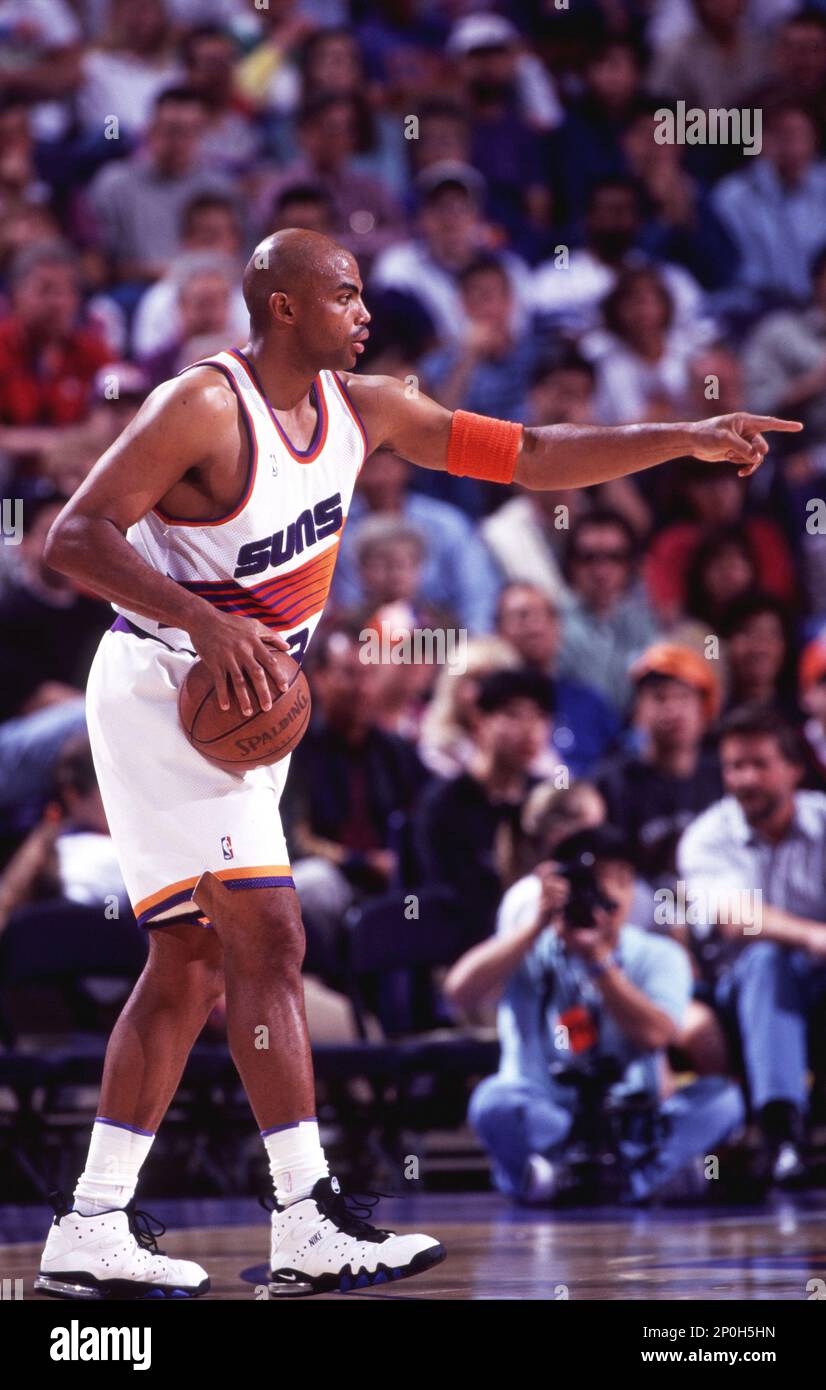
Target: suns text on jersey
308 529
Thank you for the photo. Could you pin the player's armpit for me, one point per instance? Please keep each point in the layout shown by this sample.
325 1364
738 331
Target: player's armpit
187 422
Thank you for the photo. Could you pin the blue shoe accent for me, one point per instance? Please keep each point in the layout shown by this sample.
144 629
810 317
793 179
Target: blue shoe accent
380 1277
397 1274
363 1281
345 1283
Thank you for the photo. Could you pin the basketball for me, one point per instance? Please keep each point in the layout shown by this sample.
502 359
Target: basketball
230 739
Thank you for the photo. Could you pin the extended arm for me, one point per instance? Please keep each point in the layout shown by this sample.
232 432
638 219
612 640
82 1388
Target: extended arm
401 418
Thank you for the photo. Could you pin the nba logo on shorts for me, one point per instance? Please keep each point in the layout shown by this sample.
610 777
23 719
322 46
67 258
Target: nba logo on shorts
226 847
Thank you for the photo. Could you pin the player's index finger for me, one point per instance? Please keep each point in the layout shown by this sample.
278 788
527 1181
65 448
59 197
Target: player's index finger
772 422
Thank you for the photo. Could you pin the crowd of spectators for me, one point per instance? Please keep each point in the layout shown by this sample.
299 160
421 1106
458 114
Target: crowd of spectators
531 251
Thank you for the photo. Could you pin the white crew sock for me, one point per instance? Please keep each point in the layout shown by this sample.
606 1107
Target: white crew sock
296 1159
116 1153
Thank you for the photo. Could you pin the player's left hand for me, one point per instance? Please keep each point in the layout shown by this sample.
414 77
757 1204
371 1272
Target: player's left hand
737 438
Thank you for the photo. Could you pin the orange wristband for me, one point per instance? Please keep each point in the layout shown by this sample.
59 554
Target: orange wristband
482 448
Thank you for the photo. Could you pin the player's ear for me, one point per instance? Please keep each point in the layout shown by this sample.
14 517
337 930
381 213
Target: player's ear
281 307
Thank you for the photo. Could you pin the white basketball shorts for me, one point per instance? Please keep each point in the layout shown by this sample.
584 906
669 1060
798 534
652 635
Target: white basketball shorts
172 814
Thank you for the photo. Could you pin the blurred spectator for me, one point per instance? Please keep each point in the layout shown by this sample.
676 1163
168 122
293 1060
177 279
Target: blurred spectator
567 293
457 573
444 135
587 147
366 214
209 226
785 360
48 630
527 534
48 359
656 790
754 866
404 49
459 820
775 210
40 58
584 724
487 370
138 202
230 142
729 60
617 995
642 366
799 66
69 854
332 64
352 785
21 186
390 551
812 685
446 742
404 679
268 77
510 98
713 496
452 233
722 568
550 815
123 75
305 205
203 315
119 391
608 623
680 225
760 658
48 635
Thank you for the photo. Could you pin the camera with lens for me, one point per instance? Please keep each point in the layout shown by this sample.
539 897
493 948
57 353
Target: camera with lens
586 896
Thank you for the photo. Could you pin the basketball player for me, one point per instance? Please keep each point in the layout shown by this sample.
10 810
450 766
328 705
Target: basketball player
212 525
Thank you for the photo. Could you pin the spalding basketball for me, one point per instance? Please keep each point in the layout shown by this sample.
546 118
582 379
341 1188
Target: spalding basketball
229 738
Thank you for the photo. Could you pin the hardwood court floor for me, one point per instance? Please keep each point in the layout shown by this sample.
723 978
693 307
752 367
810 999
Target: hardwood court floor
497 1252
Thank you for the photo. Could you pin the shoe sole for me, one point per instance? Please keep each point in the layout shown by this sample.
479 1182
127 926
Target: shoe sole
292 1283
85 1286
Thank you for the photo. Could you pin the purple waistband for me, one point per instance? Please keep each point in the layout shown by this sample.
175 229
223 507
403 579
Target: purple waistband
122 624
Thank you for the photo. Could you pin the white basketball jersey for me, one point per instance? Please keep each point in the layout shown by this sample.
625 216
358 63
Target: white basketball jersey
273 556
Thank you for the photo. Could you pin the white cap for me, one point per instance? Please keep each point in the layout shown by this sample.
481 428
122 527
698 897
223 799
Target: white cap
481 31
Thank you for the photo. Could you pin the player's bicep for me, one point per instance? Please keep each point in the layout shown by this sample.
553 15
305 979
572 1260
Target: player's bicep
174 430
400 417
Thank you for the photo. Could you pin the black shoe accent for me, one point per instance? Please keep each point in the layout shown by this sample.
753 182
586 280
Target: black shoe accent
109 1289
292 1283
140 1224
58 1204
350 1219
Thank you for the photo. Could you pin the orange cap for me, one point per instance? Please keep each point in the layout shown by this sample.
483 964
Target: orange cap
681 664
812 664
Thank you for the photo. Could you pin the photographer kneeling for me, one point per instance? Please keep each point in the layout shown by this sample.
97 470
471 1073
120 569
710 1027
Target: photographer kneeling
578 987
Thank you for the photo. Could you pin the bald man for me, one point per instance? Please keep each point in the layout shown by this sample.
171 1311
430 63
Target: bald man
212 525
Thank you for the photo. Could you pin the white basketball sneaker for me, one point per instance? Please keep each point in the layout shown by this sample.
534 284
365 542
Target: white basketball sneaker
319 1244
113 1255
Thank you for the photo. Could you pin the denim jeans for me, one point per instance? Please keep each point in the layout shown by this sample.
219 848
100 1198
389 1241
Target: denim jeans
517 1118
29 748
771 992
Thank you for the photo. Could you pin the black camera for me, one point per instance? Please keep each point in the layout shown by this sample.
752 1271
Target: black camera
586 895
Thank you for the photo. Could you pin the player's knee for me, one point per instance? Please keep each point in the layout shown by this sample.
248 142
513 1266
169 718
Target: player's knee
270 935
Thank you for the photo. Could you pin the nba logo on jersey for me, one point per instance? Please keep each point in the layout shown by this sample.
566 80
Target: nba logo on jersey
226 847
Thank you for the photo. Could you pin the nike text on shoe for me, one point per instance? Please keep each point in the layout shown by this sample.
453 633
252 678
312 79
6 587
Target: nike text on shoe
320 1245
112 1255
